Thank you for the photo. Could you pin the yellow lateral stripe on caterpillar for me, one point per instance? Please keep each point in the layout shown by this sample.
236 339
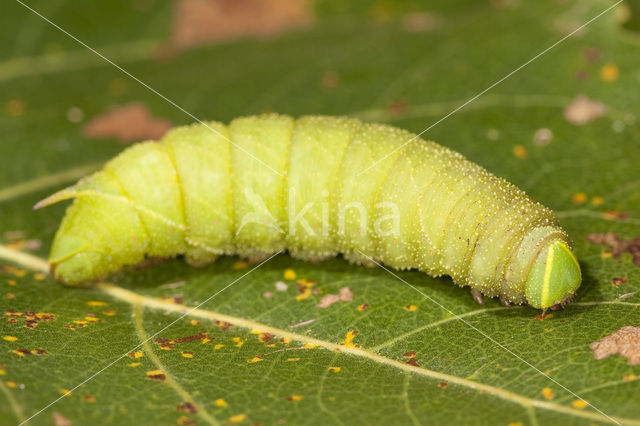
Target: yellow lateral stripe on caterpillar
425 207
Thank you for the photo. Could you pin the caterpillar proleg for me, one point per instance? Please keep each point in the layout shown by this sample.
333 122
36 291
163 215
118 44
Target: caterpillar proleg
202 194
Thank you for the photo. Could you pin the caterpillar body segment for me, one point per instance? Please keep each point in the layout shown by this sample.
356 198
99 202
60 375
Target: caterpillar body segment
201 194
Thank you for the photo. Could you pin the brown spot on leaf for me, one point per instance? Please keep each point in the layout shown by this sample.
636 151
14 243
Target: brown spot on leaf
168 344
617 281
223 325
348 340
579 198
185 421
581 75
27 352
29 245
443 385
201 22
615 215
265 337
156 375
413 361
15 107
127 123
419 22
188 407
294 398
409 354
397 108
618 246
582 110
591 54
330 80
543 317
624 342
198 336
31 318
176 299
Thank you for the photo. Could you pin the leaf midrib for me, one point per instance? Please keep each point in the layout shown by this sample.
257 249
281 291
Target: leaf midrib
173 383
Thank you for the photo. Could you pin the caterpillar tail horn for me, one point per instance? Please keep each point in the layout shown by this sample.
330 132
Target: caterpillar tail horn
63 194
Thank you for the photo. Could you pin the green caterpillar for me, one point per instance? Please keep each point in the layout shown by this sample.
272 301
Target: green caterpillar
268 183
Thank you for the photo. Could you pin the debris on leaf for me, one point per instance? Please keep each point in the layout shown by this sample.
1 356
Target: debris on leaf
583 110
328 300
344 295
173 285
127 123
542 137
303 323
60 420
624 342
200 22
618 246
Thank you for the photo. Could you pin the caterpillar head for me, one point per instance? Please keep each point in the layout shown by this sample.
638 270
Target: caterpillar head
554 276
548 268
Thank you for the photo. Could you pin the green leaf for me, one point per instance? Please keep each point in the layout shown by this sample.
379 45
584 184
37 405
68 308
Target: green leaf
282 359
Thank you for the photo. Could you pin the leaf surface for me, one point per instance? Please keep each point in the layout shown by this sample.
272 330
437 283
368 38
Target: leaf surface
390 355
